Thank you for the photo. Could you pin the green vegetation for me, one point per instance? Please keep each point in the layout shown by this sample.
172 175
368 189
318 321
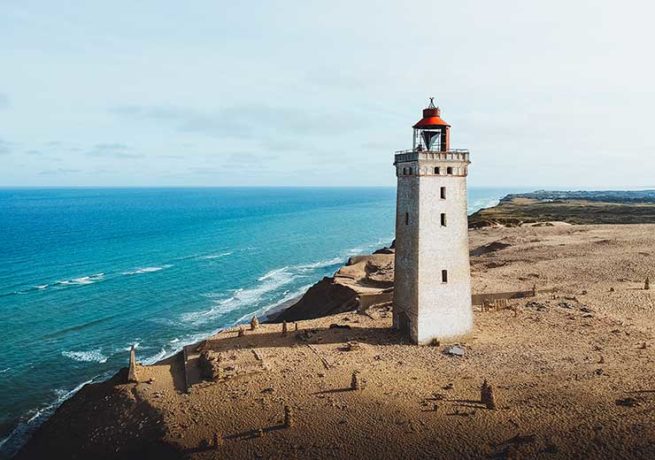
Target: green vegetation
579 207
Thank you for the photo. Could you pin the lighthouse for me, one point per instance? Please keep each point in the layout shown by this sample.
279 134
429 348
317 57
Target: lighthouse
432 287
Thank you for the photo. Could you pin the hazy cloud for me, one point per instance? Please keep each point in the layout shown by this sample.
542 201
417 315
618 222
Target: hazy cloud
532 110
5 147
251 158
112 150
246 122
208 170
58 171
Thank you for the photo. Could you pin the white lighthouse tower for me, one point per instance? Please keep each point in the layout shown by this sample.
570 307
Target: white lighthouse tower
432 293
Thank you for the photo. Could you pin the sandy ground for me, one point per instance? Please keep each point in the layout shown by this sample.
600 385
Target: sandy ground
573 373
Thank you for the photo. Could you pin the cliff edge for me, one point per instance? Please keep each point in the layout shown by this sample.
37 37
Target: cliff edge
569 368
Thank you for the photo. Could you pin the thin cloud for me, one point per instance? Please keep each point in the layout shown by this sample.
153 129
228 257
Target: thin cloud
58 171
112 150
251 158
247 121
5 147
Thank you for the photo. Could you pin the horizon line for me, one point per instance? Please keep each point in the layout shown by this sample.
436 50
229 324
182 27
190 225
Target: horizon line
534 187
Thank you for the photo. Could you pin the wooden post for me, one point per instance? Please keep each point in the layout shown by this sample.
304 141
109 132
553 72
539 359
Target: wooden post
647 284
254 323
285 328
242 332
487 396
355 382
288 417
218 440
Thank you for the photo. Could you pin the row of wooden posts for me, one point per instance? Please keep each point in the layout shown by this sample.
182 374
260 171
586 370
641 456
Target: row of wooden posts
486 304
254 324
486 397
356 384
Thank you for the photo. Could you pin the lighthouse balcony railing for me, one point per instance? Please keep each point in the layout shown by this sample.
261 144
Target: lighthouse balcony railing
413 155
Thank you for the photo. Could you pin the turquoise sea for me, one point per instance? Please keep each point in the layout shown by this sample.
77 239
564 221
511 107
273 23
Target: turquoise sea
87 272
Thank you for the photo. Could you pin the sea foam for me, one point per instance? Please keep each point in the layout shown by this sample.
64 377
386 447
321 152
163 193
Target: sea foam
142 270
82 280
215 256
23 430
244 298
86 356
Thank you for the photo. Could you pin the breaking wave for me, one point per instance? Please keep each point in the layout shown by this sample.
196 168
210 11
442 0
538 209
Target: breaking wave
156 357
368 248
89 279
142 270
83 280
269 282
262 311
86 356
25 428
264 295
215 256
482 204
322 264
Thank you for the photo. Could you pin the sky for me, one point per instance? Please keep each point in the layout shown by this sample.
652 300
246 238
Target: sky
548 94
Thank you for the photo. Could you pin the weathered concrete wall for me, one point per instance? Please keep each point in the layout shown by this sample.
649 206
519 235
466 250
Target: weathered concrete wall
424 247
406 257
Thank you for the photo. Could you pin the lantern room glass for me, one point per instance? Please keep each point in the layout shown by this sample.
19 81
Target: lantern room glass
427 140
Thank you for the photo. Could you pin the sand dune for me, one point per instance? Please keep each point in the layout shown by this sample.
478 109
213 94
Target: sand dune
572 372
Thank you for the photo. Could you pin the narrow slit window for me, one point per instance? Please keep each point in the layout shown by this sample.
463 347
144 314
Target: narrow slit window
443 193
406 218
449 170
411 171
443 219
444 276
437 170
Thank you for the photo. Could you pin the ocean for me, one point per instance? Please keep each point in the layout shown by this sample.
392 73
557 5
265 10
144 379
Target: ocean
87 272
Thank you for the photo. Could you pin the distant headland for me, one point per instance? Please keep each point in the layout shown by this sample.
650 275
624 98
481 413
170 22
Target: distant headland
574 207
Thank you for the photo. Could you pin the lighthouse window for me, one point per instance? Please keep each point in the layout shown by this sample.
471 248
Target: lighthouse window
437 170
449 170
443 219
406 218
443 193
444 276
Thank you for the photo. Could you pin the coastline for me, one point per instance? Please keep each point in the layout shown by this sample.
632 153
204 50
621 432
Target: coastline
527 255
25 430
271 315
268 316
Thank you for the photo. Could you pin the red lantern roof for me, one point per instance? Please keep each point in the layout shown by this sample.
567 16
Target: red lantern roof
431 118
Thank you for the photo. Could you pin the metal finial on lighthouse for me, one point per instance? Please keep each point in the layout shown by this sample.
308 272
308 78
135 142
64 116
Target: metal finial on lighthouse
432 106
